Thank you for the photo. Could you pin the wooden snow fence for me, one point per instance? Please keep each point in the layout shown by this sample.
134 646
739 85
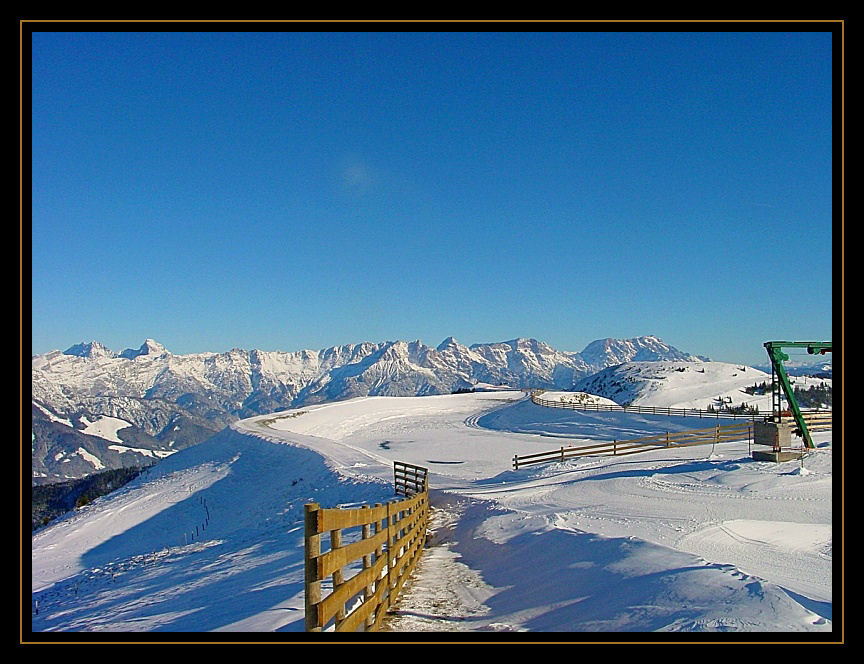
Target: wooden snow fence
391 540
710 436
643 410
409 479
818 420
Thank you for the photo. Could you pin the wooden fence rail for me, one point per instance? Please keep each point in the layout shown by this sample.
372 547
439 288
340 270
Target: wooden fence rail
710 436
820 418
650 410
820 421
392 539
409 479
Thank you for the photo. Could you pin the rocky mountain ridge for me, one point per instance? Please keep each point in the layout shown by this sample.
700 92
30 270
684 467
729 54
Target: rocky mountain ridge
164 402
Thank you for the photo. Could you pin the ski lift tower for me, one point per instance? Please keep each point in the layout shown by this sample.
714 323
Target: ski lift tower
775 431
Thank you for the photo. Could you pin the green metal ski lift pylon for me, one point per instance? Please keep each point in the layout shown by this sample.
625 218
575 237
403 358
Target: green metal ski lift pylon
777 356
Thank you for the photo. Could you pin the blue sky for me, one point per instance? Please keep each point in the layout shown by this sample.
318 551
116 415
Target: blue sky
300 190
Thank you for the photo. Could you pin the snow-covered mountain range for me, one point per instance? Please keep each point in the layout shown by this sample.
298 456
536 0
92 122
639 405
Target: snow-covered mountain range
94 408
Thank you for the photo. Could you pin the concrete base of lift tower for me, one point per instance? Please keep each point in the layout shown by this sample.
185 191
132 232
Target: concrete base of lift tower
777 455
776 435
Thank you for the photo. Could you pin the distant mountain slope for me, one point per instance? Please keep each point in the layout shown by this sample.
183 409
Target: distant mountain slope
77 447
166 402
821 369
609 352
685 384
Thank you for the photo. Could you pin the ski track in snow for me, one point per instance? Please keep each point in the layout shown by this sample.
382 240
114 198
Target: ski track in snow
697 539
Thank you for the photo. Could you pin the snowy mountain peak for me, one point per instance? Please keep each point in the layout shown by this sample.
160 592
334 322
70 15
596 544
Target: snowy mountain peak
92 349
149 347
608 352
525 342
449 343
517 345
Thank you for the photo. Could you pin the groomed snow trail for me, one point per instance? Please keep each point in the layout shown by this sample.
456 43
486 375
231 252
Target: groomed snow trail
671 501
455 600
695 539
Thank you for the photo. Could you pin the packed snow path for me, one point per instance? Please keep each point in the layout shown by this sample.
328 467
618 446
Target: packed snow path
698 539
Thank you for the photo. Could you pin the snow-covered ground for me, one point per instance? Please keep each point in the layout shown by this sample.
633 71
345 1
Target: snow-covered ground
105 427
695 539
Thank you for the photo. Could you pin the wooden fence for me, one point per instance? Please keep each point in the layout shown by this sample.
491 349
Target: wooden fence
391 540
710 436
650 410
818 421
409 479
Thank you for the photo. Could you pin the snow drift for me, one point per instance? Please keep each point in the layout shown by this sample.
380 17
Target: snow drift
699 539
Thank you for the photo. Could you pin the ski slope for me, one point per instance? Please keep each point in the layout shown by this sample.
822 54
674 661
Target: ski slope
696 539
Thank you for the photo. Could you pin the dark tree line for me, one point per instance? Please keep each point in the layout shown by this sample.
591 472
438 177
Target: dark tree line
50 501
814 396
760 388
743 409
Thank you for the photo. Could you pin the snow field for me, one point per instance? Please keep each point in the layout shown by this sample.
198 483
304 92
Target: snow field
671 540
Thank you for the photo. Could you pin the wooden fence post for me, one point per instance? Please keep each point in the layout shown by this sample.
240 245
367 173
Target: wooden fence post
391 539
313 583
398 544
338 577
367 563
379 553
